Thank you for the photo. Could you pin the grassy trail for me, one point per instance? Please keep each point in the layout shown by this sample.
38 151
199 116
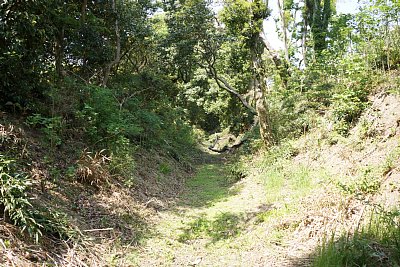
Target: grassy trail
213 224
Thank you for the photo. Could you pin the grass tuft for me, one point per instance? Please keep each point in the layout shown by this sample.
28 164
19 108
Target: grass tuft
374 244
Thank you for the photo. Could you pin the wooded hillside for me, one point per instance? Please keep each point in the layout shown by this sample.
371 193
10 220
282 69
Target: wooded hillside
115 114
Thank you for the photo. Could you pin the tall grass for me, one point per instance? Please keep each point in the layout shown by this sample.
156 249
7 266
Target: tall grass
377 243
286 181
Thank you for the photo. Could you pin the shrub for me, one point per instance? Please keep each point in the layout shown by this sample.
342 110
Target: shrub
122 161
56 224
51 127
14 200
102 119
92 168
348 102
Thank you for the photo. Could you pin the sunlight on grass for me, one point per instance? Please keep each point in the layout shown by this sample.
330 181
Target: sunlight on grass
291 182
225 225
286 182
208 186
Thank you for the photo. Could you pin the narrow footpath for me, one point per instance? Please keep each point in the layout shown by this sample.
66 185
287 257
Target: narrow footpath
215 223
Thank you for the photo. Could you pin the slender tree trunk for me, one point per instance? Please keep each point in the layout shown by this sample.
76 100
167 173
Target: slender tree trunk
83 11
260 89
59 53
117 57
284 28
304 42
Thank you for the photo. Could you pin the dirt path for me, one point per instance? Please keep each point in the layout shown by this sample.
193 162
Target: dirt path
281 214
213 224
273 217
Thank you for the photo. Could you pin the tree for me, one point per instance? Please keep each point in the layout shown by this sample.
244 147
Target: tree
316 15
245 20
197 42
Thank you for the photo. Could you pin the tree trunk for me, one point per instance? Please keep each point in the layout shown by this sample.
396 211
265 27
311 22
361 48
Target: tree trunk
260 89
59 53
117 57
263 117
304 42
284 28
83 11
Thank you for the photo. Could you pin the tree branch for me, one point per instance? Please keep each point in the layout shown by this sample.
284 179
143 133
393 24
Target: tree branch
223 84
281 65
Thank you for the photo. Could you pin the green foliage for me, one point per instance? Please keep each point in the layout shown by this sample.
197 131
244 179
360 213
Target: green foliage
244 18
24 36
188 23
292 113
203 104
14 200
278 153
367 184
318 13
379 34
375 244
346 108
122 161
102 119
136 111
51 127
56 224
16 207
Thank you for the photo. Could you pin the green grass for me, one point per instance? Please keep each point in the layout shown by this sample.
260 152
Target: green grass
375 244
210 185
210 217
224 226
287 183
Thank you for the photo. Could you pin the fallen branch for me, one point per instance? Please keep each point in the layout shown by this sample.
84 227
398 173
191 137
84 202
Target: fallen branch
227 147
98 230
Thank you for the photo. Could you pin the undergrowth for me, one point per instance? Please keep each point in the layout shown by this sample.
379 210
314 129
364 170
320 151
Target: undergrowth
375 244
16 207
14 202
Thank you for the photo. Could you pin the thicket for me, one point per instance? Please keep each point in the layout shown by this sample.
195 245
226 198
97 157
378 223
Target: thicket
85 75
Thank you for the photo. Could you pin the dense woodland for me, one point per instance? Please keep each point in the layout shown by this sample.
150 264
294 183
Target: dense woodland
89 88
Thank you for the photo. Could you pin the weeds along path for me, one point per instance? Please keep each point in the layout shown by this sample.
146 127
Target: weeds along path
300 194
213 224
